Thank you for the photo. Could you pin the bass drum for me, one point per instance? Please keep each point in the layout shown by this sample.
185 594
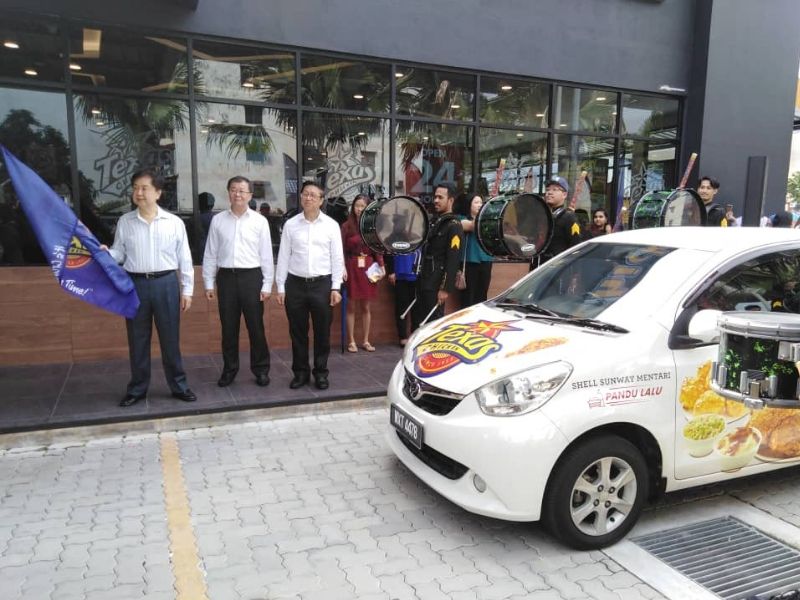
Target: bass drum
514 226
668 209
397 225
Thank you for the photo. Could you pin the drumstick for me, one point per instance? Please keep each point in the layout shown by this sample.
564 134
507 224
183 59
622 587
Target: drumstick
413 302
687 172
425 320
578 188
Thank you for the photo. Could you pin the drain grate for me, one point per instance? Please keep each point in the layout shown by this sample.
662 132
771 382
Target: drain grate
727 557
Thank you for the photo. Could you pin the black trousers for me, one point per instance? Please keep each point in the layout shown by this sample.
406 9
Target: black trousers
478 275
239 293
403 296
160 302
306 299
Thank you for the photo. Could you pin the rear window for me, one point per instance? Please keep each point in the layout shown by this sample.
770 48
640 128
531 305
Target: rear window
585 282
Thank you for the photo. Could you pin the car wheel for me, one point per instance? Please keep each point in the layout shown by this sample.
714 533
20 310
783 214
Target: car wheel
596 493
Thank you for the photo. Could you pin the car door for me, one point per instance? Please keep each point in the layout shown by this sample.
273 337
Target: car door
769 281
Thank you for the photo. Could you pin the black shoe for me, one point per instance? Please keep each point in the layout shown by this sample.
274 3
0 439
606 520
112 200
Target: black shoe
262 379
186 396
298 381
131 399
321 381
226 378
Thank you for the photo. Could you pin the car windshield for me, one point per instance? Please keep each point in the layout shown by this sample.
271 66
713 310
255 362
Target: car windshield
585 282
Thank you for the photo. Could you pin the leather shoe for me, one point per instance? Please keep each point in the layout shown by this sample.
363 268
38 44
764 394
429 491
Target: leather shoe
321 382
262 379
226 379
298 381
131 399
186 395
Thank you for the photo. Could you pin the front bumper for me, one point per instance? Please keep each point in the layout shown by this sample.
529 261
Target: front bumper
513 455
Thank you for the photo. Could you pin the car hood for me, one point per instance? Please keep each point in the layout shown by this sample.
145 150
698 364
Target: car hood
474 346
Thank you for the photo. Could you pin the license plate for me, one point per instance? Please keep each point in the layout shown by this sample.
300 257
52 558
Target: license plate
408 427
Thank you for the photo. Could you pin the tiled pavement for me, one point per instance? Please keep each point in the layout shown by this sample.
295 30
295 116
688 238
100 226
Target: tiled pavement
311 507
60 395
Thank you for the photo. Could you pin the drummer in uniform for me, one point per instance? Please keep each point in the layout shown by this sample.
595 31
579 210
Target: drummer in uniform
566 229
440 258
707 189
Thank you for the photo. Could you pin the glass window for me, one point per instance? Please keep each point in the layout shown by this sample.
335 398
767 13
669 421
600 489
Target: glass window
346 155
512 102
440 94
429 154
587 163
243 72
646 167
649 116
511 161
110 58
33 126
341 83
581 109
116 135
32 49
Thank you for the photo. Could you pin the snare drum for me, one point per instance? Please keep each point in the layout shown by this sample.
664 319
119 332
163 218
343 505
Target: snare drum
514 226
397 225
757 355
668 209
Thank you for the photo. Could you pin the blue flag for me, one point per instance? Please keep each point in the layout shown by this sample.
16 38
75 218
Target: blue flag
78 263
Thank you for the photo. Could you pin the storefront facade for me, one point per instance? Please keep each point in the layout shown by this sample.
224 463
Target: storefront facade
382 98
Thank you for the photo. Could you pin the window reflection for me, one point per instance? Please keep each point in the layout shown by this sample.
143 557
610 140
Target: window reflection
346 156
514 102
511 161
32 49
428 155
647 167
649 116
429 93
587 163
338 83
111 58
243 72
580 109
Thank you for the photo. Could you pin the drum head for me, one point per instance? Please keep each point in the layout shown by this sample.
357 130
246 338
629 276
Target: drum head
668 209
397 225
514 226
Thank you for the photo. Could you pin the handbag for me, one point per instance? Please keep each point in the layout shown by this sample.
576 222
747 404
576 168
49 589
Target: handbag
461 274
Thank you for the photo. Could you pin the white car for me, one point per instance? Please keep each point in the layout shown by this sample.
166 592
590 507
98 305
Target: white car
583 390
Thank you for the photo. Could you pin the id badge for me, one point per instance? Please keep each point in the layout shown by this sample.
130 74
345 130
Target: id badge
362 262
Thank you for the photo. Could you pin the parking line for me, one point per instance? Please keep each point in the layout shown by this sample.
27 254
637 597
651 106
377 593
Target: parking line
189 580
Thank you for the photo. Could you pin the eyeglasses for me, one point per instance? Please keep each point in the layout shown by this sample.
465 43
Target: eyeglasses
308 194
239 192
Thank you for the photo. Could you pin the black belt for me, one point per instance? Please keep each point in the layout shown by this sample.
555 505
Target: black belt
154 275
309 279
238 270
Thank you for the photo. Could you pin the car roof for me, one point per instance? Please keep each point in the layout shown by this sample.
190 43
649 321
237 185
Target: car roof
709 239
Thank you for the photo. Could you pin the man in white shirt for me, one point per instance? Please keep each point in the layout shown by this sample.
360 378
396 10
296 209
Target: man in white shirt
309 276
151 245
238 256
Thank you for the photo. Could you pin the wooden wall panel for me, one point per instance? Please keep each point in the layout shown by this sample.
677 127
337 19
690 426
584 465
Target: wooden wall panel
39 323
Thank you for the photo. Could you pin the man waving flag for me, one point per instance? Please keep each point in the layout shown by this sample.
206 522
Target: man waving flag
78 263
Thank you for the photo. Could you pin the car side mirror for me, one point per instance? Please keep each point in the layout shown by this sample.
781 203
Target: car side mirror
703 326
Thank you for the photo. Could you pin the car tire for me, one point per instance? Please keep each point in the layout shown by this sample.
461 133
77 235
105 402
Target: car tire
585 506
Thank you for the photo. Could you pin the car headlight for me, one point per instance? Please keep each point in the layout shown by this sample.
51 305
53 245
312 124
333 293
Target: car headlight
523 392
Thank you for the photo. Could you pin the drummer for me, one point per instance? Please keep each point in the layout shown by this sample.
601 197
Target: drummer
440 258
566 229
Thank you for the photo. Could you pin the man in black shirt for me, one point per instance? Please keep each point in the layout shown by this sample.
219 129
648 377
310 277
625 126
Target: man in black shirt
707 189
566 229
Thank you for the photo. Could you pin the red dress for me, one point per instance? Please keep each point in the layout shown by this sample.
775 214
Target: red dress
358 286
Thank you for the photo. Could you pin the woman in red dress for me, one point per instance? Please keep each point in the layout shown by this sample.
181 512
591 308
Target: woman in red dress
357 259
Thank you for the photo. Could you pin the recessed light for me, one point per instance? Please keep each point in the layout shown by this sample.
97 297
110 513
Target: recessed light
562 124
99 123
204 130
455 106
96 111
506 87
425 138
211 121
600 98
539 114
358 96
398 74
31 72
309 158
614 113
74 67
248 84
11 44
361 133
519 135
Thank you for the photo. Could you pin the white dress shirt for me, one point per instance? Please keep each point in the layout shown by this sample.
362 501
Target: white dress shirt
142 247
310 249
238 243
